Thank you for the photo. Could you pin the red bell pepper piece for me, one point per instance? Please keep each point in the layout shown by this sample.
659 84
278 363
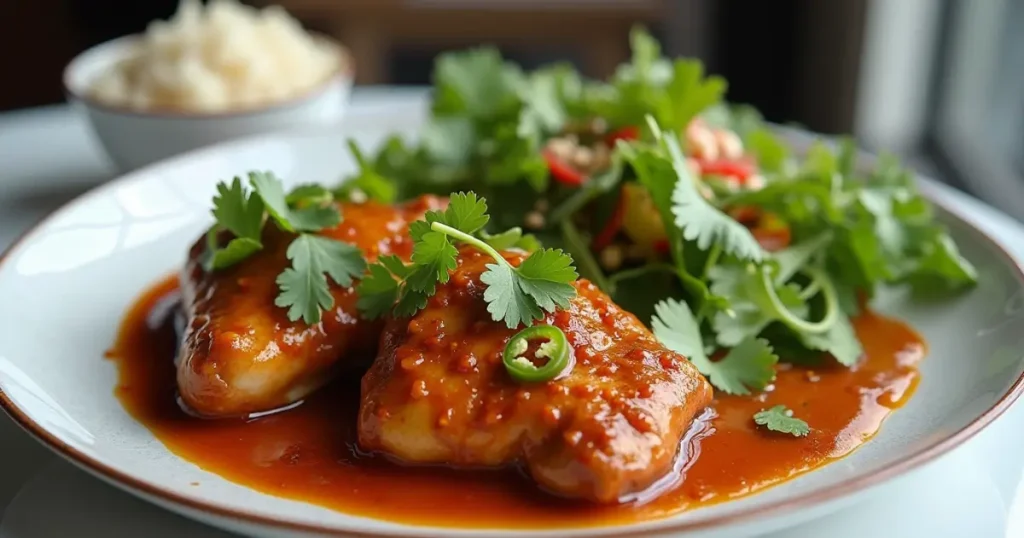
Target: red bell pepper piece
772 239
562 172
629 132
740 170
746 214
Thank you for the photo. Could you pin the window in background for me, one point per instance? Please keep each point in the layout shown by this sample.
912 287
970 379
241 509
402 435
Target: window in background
977 124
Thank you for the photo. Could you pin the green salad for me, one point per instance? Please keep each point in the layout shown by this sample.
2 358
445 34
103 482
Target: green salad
688 211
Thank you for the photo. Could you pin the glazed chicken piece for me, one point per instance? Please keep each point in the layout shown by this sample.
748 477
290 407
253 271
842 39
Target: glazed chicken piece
241 355
439 393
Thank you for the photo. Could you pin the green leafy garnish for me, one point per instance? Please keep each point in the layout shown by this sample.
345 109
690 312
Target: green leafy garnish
747 367
310 218
240 213
304 288
699 220
780 419
511 238
368 182
514 295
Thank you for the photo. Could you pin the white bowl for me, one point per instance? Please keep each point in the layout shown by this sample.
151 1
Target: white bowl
133 138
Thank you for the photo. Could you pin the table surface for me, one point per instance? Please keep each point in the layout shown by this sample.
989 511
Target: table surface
49 157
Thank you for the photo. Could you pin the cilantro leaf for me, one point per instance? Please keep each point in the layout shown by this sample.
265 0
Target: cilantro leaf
655 173
699 220
780 419
367 179
466 212
511 238
395 265
748 314
793 258
505 297
743 120
840 341
304 288
435 256
411 301
772 154
236 250
306 219
241 214
378 291
310 193
546 95
521 295
748 366
547 276
238 212
476 82
271 191
694 92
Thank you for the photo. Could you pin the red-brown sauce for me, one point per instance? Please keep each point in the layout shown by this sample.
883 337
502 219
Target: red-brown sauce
309 453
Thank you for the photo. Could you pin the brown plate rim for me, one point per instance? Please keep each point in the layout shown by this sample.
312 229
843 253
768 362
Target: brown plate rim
777 508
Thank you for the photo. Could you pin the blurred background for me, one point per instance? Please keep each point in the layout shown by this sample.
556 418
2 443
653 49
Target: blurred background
938 81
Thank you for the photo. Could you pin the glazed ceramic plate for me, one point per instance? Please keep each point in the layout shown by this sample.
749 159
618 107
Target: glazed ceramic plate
66 284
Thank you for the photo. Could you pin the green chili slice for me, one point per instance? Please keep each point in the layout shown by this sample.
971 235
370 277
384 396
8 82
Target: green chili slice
555 348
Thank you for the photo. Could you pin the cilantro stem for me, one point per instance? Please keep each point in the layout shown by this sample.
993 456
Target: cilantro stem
716 251
466 238
640 271
795 322
811 290
585 262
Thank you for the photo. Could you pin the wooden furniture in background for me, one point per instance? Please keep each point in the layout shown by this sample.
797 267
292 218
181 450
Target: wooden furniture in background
596 30
38 39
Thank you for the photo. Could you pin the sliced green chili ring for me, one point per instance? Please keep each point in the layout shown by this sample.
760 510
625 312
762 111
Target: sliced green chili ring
555 349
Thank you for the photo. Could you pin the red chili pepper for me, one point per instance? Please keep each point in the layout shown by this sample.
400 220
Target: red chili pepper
738 169
746 214
562 172
772 239
612 227
629 132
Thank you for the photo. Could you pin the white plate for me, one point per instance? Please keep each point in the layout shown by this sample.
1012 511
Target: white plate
67 283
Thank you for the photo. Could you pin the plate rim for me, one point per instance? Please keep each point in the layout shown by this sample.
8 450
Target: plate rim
162 495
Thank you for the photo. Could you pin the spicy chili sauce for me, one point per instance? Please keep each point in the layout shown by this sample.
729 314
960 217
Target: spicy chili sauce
310 453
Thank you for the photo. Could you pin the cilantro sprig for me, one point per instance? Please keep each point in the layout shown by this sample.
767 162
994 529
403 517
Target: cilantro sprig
780 419
304 287
514 295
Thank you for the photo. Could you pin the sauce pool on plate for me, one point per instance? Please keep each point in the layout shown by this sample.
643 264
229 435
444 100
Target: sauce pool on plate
309 452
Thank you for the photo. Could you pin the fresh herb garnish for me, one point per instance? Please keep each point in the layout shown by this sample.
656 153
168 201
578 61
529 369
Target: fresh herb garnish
514 295
749 366
780 419
240 213
304 289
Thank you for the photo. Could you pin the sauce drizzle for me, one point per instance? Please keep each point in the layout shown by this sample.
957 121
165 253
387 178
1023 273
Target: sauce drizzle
309 452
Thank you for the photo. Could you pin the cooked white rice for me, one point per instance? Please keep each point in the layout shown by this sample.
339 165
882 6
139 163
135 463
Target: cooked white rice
220 57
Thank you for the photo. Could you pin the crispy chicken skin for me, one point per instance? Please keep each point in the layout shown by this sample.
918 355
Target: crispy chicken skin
241 354
439 393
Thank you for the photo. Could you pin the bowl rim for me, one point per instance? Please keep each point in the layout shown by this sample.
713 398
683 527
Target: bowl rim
118 47
169 498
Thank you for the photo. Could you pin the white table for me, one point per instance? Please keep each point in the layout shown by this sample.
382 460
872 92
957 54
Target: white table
47 157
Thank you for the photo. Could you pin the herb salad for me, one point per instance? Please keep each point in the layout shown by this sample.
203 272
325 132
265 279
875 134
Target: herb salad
688 211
